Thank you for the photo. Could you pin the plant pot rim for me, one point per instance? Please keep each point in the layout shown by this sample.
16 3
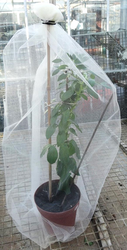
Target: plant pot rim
69 210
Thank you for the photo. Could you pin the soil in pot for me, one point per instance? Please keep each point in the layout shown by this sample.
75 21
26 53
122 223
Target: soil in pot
53 211
42 201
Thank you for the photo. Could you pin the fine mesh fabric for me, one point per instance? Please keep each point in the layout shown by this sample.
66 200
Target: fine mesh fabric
26 120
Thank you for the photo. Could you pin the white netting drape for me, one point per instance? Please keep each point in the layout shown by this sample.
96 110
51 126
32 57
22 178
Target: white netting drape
26 120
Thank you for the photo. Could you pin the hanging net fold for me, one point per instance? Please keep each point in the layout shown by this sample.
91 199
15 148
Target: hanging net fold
26 121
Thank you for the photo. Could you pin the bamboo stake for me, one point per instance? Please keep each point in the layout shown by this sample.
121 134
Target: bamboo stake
88 145
94 132
49 111
49 104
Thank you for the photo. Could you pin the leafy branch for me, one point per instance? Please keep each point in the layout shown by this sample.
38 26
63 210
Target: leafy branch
63 119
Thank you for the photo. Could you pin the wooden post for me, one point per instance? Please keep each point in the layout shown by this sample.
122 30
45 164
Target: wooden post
49 103
49 111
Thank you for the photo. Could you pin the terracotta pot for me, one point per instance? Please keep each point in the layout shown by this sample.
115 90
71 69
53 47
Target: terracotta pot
66 218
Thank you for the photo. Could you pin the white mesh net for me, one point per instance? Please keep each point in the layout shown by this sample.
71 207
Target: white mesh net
26 120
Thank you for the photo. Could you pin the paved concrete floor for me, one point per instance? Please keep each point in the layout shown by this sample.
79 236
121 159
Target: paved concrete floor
112 214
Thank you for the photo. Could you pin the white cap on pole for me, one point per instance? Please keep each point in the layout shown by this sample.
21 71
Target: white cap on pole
48 11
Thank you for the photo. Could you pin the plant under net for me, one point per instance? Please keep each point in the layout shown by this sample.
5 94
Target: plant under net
53 124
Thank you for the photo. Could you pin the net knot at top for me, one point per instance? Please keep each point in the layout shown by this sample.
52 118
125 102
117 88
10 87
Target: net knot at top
49 13
48 22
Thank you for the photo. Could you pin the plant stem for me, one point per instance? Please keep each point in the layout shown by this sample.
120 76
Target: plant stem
63 200
66 83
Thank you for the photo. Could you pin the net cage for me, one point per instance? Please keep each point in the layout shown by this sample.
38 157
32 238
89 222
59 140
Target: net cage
107 48
26 122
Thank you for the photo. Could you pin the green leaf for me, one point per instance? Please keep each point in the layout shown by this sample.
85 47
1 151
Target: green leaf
77 126
62 84
61 137
64 153
64 107
74 57
55 72
66 95
77 61
52 154
72 166
59 168
61 94
69 55
83 58
61 127
92 76
53 120
63 67
81 66
55 109
72 116
50 131
64 182
78 87
71 148
57 60
104 84
76 81
77 151
73 131
62 77
92 93
91 82
84 97
65 116
58 69
45 148
64 171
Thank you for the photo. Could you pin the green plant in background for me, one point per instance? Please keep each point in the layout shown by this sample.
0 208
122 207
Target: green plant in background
63 120
88 243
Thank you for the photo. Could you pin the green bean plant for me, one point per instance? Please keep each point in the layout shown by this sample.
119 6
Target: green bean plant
65 152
